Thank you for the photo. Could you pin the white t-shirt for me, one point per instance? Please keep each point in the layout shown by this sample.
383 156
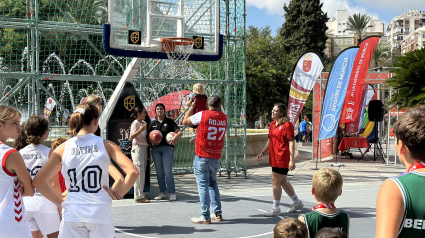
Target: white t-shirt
196 118
141 138
35 156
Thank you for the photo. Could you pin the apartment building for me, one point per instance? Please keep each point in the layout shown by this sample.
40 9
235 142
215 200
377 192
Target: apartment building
403 28
340 38
414 41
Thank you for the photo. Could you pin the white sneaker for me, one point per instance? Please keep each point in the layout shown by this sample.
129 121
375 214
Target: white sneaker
296 206
161 196
173 197
272 213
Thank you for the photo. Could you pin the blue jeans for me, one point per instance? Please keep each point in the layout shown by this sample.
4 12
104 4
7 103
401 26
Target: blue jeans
163 157
205 170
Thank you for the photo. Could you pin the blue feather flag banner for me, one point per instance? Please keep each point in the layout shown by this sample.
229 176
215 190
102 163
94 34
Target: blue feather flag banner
336 89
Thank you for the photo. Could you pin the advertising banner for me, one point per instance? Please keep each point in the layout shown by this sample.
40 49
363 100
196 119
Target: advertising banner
306 72
335 92
48 107
369 95
353 98
325 145
119 123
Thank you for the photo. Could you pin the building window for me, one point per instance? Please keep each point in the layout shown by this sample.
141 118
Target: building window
406 29
339 23
343 23
339 31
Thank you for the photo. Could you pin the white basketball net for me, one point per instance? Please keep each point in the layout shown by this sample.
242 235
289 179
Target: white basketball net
178 51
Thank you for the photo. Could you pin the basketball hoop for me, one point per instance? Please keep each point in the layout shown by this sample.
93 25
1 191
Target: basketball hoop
178 50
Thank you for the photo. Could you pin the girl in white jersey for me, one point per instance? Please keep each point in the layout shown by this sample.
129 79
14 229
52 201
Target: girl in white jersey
42 214
85 162
13 218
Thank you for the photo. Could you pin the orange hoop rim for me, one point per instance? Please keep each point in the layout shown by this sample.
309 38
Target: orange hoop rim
177 40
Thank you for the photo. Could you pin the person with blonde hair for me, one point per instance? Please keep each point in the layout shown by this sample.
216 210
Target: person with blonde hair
13 216
290 228
327 187
98 102
281 147
199 101
85 162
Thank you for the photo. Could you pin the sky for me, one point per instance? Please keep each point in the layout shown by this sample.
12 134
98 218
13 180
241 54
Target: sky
261 13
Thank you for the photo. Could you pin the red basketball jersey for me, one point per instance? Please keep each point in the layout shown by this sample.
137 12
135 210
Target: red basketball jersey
210 134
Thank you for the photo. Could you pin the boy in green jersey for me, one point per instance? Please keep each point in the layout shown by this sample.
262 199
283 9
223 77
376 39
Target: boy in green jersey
327 186
400 209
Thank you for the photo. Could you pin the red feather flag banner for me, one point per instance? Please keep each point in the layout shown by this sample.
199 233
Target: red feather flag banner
353 98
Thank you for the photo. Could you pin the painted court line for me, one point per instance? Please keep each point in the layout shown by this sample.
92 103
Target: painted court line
121 231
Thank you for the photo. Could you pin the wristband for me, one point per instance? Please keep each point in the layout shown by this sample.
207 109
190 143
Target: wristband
117 197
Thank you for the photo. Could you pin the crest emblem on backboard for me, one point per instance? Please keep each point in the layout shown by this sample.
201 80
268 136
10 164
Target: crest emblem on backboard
134 37
130 102
198 44
307 61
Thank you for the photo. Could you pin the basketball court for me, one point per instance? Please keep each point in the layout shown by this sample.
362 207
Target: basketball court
245 200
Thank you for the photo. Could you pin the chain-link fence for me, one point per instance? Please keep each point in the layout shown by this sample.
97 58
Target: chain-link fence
51 57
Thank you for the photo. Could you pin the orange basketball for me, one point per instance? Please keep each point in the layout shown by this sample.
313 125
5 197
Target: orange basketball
155 136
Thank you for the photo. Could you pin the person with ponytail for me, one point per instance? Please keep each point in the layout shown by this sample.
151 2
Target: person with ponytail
21 141
13 217
85 162
43 215
281 147
98 102
139 151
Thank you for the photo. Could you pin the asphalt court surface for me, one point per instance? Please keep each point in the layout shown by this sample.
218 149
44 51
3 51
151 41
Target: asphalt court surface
245 200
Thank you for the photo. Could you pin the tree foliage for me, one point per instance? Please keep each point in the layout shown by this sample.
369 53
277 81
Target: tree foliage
381 55
267 71
305 27
408 84
358 23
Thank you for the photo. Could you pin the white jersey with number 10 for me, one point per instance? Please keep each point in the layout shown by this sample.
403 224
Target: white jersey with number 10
85 168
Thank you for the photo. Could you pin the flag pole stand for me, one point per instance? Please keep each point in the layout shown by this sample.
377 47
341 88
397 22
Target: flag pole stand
317 156
336 164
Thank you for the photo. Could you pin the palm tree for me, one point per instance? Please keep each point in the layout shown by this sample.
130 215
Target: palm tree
408 83
358 23
382 51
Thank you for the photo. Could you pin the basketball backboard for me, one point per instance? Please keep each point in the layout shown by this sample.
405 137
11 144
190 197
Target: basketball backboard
136 27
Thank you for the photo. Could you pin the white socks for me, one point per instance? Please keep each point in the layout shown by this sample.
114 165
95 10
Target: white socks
295 199
276 204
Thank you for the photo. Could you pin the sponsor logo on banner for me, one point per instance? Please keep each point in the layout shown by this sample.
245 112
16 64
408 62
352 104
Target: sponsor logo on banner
308 60
329 122
125 142
130 102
